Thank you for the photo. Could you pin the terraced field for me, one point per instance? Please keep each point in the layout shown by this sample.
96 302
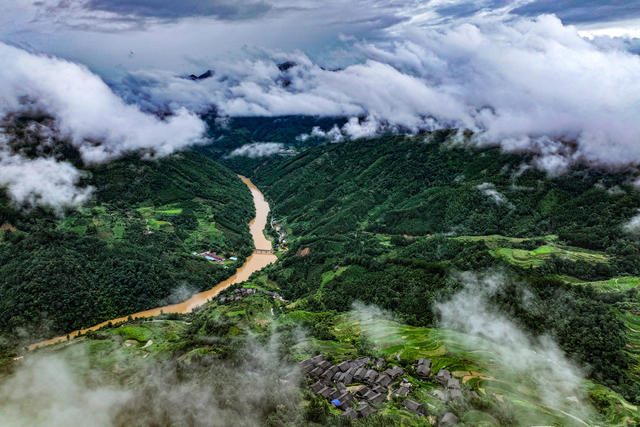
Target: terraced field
100 220
537 257
474 362
111 224
619 284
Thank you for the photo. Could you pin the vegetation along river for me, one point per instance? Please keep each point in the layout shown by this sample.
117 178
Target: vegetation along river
255 262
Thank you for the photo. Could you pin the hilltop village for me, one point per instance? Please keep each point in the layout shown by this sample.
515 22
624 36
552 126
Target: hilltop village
360 387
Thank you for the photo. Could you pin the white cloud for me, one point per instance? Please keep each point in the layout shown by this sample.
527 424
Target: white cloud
87 114
42 181
633 225
535 363
527 84
46 392
97 121
257 149
69 388
489 190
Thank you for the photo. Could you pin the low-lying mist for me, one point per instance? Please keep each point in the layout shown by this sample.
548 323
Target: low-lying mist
534 363
253 387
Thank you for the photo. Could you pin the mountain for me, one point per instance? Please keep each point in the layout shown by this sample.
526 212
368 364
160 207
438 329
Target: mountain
387 221
202 76
436 281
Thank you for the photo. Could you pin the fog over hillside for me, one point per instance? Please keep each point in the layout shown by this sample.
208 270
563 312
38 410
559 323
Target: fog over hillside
65 102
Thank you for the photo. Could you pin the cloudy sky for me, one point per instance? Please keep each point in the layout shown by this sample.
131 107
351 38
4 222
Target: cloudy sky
525 74
189 34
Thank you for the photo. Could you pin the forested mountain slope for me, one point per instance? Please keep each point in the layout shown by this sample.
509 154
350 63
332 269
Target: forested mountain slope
395 249
390 220
127 249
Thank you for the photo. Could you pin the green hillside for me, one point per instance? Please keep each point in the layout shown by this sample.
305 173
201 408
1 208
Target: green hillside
127 250
393 247
396 216
240 357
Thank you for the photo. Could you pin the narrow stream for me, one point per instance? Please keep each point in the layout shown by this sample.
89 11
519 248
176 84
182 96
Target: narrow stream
255 262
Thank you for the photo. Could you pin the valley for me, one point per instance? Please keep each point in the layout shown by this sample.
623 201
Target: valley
373 269
346 213
255 262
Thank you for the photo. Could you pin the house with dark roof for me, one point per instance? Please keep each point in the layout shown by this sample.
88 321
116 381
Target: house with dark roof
317 359
423 370
402 391
412 406
316 387
448 419
344 366
370 376
360 372
443 376
383 380
362 391
394 372
317 371
349 413
377 398
365 411
453 389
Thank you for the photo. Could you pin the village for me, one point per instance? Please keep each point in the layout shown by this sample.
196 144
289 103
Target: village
361 387
282 235
214 257
240 293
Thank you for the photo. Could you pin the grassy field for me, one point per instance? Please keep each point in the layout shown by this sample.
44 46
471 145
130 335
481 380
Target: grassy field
105 223
110 224
502 247
617 284
537 257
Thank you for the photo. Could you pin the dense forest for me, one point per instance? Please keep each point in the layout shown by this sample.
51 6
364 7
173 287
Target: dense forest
127 250
230 133
388 220
392 221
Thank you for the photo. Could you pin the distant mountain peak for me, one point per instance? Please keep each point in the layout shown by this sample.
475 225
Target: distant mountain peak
202 76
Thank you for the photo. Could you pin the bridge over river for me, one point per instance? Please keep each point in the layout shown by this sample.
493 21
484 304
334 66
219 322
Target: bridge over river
264 251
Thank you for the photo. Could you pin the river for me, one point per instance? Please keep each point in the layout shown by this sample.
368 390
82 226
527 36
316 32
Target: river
255 262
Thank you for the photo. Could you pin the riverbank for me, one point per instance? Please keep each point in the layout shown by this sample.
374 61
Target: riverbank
255 262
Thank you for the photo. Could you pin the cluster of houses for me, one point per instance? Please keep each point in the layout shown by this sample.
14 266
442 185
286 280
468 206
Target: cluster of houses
211 256
214 257
282 235
360 387
240 293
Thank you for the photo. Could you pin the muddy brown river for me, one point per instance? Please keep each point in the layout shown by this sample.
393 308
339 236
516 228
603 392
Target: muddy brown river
255 262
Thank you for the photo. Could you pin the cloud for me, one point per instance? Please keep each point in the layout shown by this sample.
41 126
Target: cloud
96 121
532 362
46 392
222 9
489 190
525 84
83 112
257 149
42 182
579 11
69 387
633 225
